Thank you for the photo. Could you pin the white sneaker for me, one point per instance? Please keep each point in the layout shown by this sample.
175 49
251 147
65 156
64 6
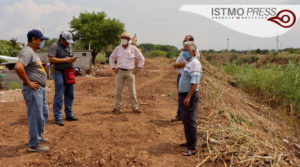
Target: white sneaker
44 140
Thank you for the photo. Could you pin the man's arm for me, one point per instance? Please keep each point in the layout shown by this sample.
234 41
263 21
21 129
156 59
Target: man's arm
180 62
55 60
179 65
195 80
186 101
112 61
139 56
52 56
20 70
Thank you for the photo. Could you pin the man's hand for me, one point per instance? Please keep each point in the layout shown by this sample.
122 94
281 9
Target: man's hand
33 85
186 101
179 65
115 70
71 59
136 70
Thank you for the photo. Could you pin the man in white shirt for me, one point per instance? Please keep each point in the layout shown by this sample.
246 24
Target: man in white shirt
179 65
122 62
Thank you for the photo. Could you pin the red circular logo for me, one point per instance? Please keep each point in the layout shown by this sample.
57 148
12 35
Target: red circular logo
285 18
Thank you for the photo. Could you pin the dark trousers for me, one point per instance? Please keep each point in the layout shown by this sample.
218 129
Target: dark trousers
189 119
179 104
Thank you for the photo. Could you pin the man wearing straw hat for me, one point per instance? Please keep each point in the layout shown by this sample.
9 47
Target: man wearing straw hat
122 61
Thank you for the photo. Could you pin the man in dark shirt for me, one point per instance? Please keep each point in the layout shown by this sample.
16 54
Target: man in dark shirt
61 55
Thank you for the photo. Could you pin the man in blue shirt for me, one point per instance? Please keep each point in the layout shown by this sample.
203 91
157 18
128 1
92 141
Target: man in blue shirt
179 65
189 96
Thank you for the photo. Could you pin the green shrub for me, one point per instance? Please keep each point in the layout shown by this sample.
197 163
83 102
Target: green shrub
277 84
171 51
8 49
233 57
100 58
157 53
208 56
2 61
14 85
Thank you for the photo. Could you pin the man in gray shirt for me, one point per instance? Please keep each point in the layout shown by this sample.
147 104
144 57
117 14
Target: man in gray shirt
61 55
30 69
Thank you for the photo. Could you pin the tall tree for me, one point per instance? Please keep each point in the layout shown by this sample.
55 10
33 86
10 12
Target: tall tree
97 30
14 42
48 43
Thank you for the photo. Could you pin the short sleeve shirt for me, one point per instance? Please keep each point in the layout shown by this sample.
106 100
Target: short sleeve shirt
33 66
180 59
59 51
191 74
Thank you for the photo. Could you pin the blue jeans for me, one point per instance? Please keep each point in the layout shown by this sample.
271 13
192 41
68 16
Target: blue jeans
62 89
179 104
37 113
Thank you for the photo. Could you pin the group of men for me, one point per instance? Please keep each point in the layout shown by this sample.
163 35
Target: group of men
126 61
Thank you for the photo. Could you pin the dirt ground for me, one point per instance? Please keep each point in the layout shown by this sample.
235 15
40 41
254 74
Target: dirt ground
102 138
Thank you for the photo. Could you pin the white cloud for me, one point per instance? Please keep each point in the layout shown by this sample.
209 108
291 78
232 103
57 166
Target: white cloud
154 21
19 17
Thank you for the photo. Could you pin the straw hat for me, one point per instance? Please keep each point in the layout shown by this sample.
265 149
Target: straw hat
126 34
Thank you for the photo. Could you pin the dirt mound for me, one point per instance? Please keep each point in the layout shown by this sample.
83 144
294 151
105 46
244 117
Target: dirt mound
233 128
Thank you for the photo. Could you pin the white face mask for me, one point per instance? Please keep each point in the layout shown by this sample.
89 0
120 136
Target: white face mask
124 41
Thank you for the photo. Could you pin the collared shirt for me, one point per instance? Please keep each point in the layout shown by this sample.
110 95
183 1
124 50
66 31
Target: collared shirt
59 51
33 66
126 57
181 59
191 74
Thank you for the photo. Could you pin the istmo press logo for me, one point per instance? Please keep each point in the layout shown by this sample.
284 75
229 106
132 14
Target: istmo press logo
255 20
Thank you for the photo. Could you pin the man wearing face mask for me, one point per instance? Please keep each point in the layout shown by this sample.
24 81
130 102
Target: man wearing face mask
30 69
179 65
189 96
125 69
61 55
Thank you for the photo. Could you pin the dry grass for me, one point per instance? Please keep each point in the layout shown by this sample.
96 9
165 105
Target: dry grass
237 146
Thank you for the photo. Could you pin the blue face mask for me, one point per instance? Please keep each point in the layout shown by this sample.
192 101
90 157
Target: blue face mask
42 45
186 55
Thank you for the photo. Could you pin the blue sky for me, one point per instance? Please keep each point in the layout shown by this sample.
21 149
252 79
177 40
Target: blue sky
154 21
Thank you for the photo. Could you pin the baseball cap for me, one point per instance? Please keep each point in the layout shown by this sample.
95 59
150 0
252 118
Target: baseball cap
36 34
67 36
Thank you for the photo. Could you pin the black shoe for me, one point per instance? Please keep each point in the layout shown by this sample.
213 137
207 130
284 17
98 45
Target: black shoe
183 145
137 111
177 118
73 118
59 122
117 111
